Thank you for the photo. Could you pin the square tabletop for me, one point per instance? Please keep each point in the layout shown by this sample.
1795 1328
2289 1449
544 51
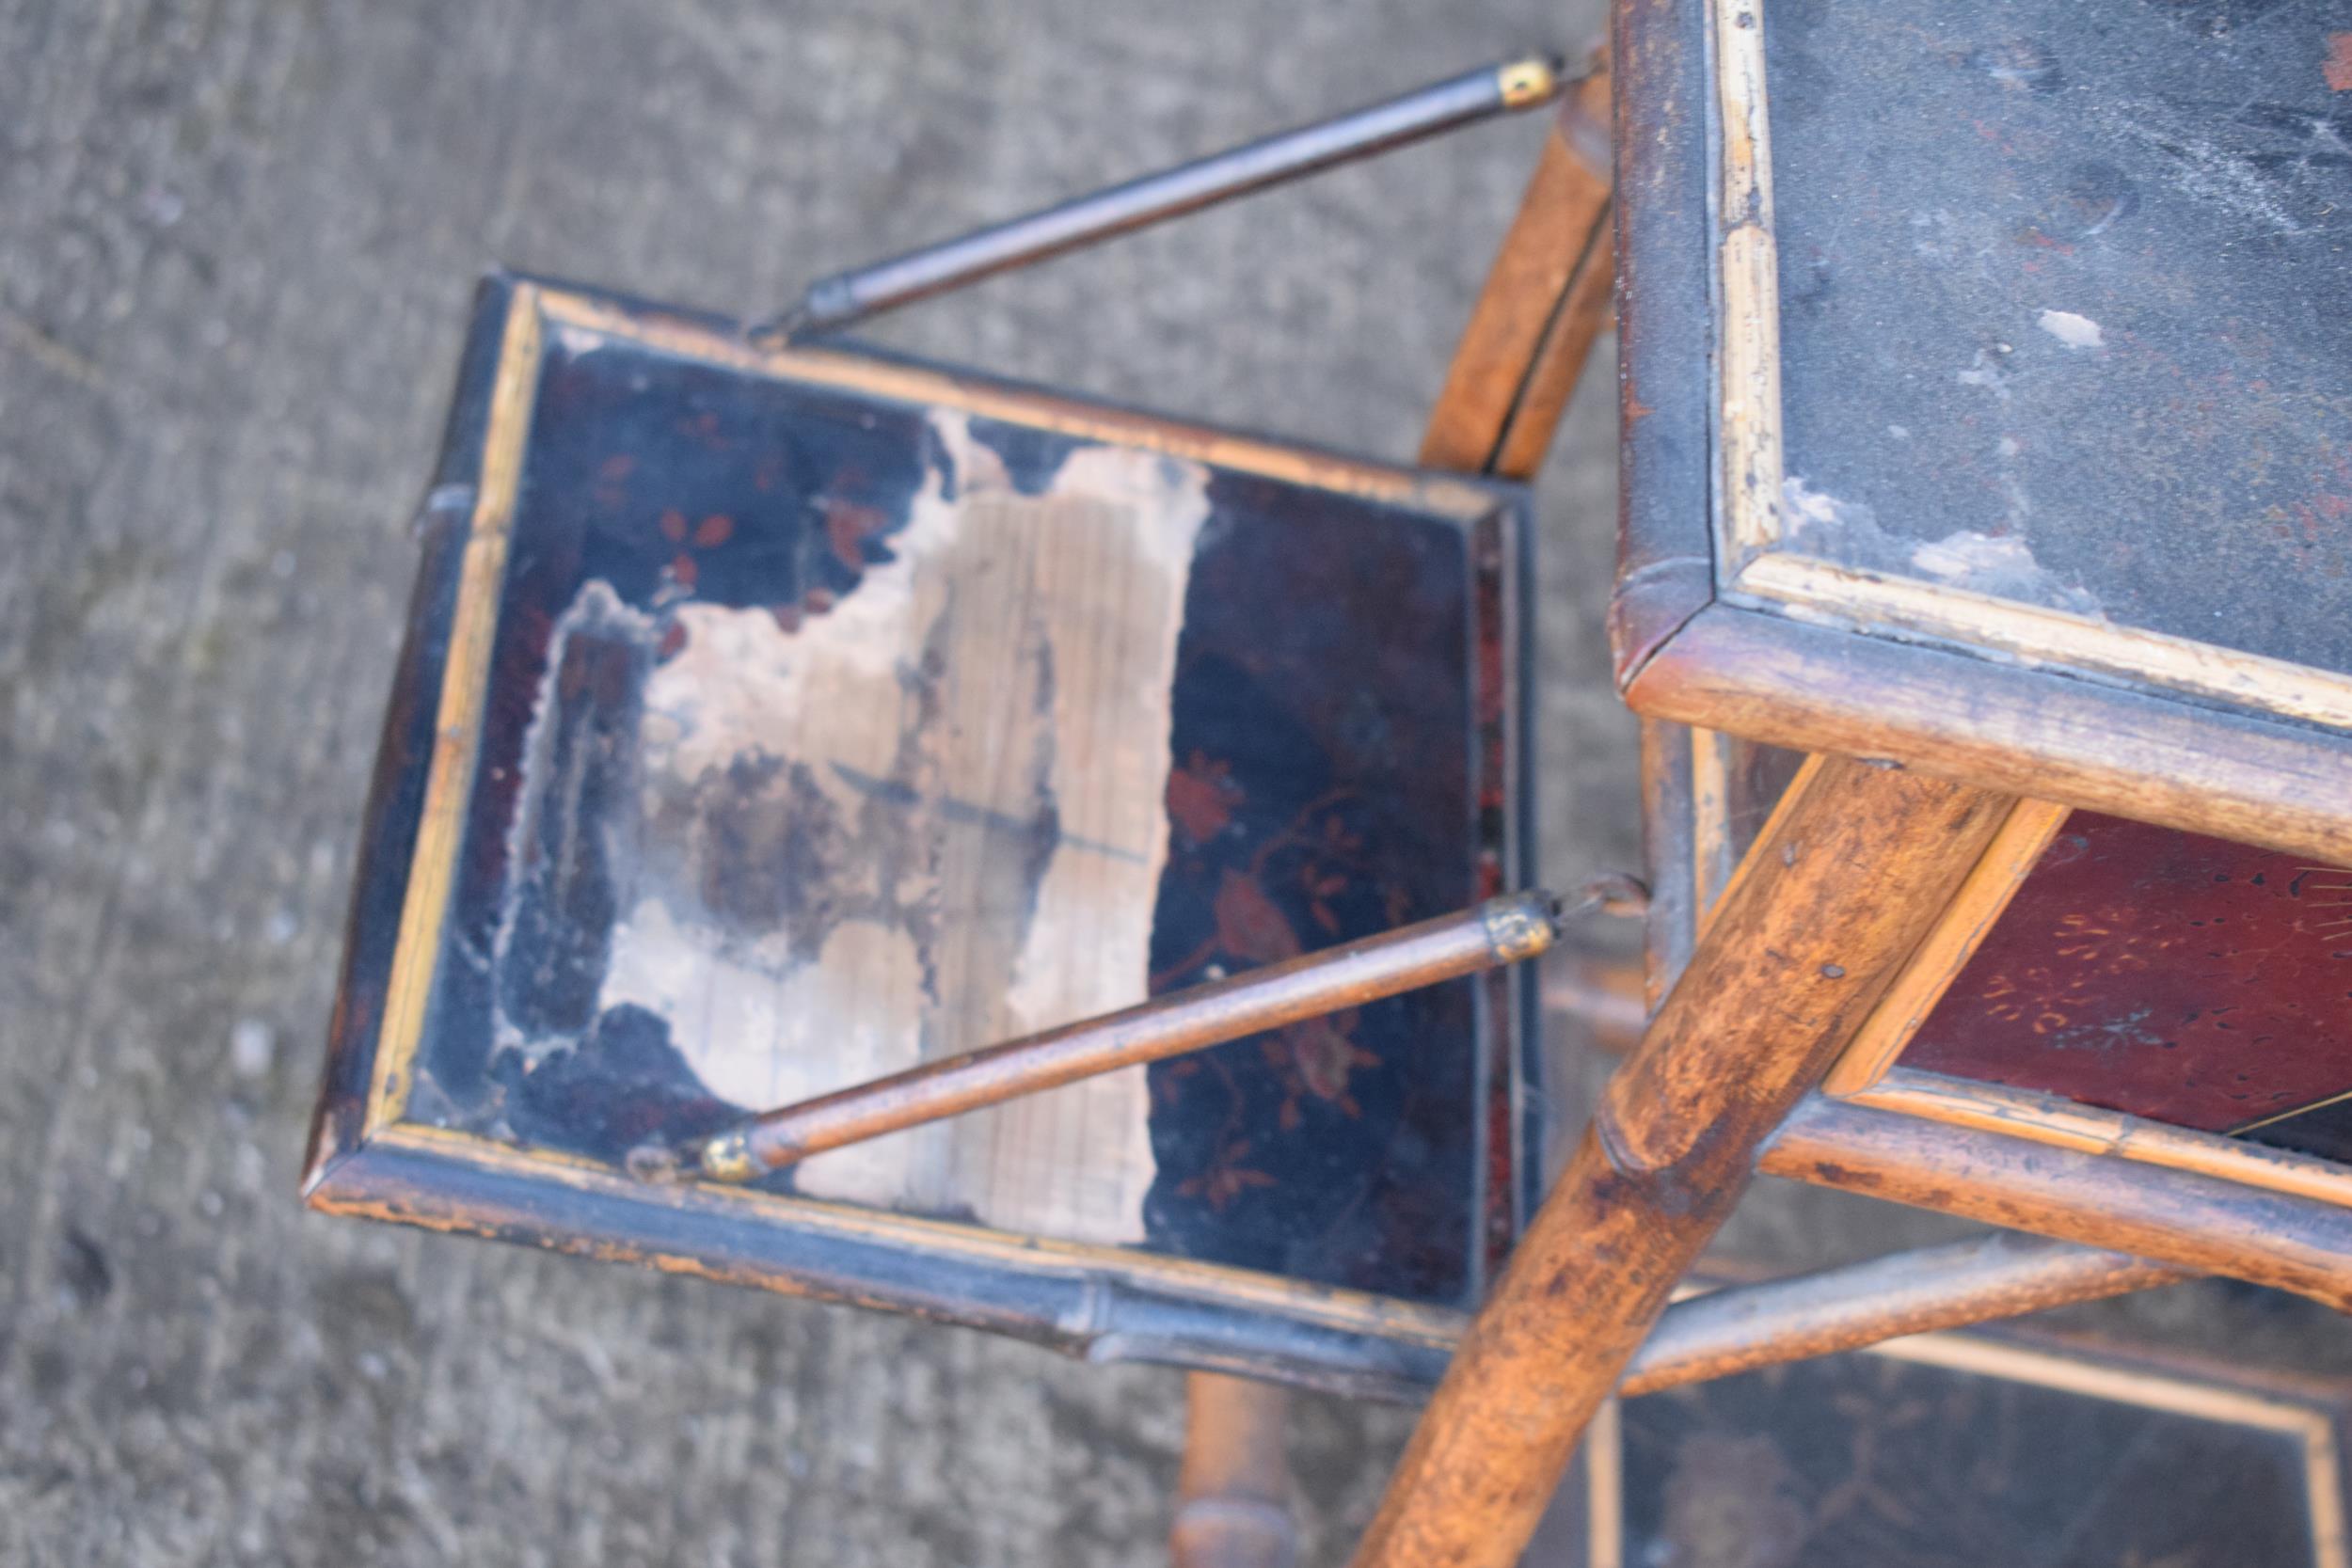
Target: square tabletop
1988 394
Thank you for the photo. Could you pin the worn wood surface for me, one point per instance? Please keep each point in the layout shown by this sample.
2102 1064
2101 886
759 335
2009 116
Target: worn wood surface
1990 1277
1786 973
837 715
1544 302
236 246
1233 1492
2200 769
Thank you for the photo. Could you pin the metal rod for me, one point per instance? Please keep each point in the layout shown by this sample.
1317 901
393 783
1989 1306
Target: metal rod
1743 1327
844 297
1499 931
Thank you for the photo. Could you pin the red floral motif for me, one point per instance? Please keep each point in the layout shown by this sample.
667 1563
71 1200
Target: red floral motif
1201 796
1313 1059
2033 995
1226 1177
846 526
1317 1055
1249 927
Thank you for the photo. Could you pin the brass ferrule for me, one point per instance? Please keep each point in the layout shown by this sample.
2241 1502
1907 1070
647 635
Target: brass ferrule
1521 926
727 1157
1527 83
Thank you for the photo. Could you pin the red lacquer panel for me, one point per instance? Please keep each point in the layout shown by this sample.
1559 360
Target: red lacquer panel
2182 978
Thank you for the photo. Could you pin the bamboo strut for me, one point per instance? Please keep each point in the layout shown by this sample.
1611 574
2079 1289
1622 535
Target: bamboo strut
1842 884
2195 1221
1741 1327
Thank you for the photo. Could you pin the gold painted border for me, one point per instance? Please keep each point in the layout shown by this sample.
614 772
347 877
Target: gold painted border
1751 526
457 716
1450 496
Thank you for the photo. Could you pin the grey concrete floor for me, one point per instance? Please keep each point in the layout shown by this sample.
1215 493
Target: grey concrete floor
236 243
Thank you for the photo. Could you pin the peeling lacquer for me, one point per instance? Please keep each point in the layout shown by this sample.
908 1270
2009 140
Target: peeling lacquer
924 821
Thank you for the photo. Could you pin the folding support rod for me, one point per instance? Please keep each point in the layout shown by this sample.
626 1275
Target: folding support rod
836 301
1843 883
1499 931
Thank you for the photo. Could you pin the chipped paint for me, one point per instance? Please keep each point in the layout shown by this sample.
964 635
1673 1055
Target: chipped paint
2003 565
2071 329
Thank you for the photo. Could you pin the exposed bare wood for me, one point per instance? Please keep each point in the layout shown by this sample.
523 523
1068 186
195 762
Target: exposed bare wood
1671 929
1233 1496
1741 1328
2029 732
1712 859
2200 1222
1949 946
1775 989
1751 413
1560 357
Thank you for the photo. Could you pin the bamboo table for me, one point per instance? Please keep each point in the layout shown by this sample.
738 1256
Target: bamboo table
1988 437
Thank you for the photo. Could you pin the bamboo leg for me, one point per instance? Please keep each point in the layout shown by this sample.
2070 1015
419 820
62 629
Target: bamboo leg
1233 1497
1844 881
1545 301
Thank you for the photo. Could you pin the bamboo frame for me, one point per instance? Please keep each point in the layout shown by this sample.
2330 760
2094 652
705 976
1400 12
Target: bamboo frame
1783 977
2285 1240
1950 945
1870 1074
2004 1274
1545 301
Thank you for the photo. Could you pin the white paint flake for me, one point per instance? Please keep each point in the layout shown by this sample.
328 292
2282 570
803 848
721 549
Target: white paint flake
2071 329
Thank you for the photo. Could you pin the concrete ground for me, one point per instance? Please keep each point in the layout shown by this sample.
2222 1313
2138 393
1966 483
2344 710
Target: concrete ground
236 243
